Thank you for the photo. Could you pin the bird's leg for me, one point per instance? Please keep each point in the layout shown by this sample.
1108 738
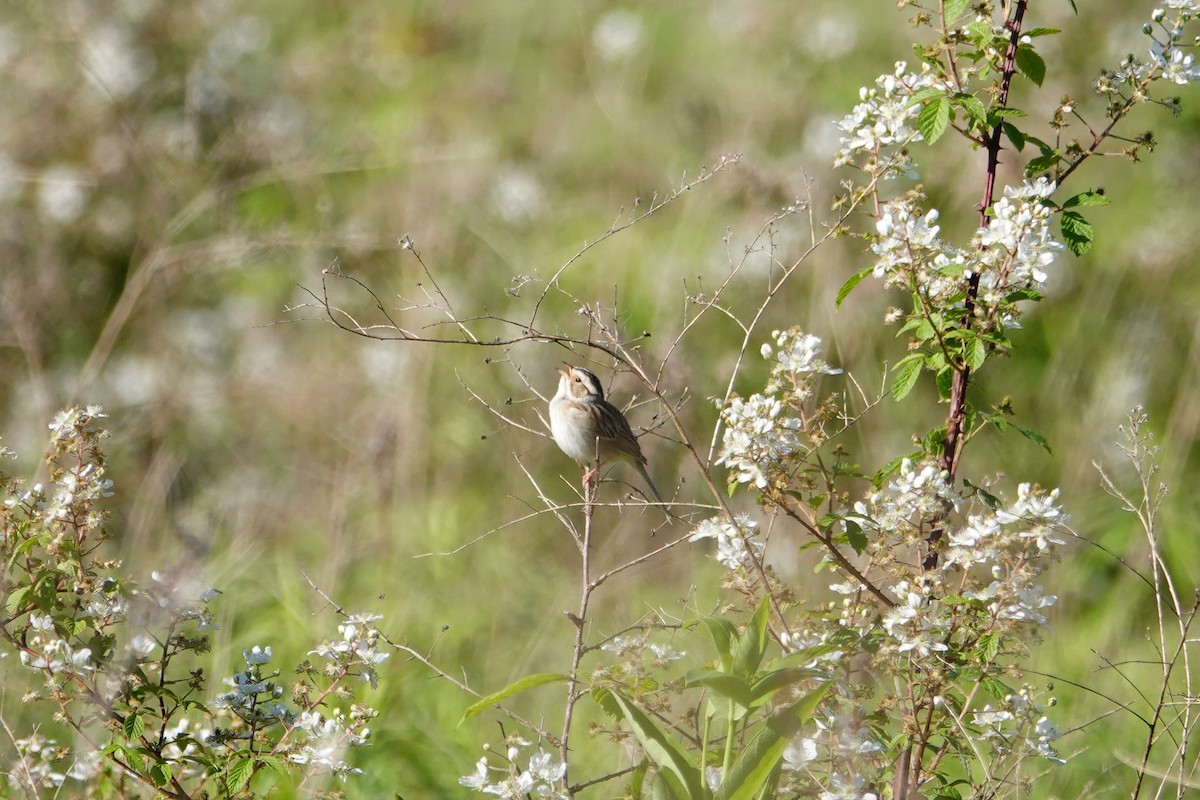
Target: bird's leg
587 476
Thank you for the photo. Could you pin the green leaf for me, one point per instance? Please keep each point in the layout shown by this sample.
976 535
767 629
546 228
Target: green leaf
996 688
239 774
990 500
1088 198
934 442
754 765
944 380
777 679
1023 294
989 645
1077 232
665 754
133 725
723 634
973 106
855 536
17 600
934 119
976 353
160 774
907 372
1004 112
1042 163
133 757
889 469
514 688
1014 135
728 686
1030 64
1033 436
665 786
752 643
1033 33
273 763
637 778
849 285
953 9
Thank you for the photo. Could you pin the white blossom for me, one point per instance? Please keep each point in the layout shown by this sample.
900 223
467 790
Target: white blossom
734 542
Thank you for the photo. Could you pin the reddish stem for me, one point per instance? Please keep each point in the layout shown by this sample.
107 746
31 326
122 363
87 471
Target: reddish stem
956 418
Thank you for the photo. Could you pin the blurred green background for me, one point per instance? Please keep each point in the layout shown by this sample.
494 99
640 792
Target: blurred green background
173 174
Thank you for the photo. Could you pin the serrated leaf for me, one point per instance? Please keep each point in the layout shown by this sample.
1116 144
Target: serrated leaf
989 645
996 688
1004 112
238 775
972 105
17 600
1042 163
1023 294
1089 198
1033 436
514 688
274 764
855 536
133 726
907 373
658 746
990 500
134 759
934 119
976 353
755 764
1030 64
1014 135
849 285
1077 232
953 9
889 469
160 774
944 380
934 442
1033 33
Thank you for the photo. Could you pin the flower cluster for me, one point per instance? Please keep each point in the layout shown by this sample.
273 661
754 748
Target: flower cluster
1019 722
1012 251
314 739
40 761
918 623
764 433
1167 58
356 652
911 255
542 777
328 737
737 546
627 646
898 513
877 132
1016 246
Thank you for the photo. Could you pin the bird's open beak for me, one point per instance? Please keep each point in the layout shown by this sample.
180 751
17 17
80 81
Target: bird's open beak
565 372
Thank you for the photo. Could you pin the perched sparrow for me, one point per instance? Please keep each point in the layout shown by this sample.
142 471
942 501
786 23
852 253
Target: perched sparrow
590 429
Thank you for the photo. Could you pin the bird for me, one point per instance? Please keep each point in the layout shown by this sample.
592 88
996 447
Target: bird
592 430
